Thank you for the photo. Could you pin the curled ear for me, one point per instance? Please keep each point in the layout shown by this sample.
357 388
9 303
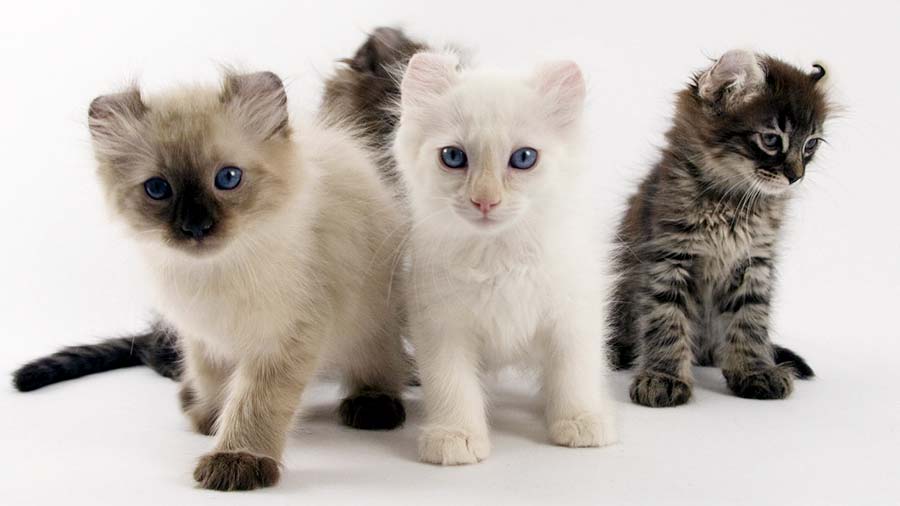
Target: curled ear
735 78
106 112
818 73
258 102
562 86
428 75
115 123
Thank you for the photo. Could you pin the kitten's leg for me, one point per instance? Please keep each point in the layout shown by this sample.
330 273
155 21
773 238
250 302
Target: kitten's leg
203 386
748 362
374 369
456 430
666 323
579 411
265 393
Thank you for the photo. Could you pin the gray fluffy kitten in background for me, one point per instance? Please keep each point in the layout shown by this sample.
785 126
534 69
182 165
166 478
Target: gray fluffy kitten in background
698 243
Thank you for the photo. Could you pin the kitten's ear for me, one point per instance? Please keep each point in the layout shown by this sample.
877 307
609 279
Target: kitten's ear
735 78
108 113
428 75
561 84
258 102
818 74
115 124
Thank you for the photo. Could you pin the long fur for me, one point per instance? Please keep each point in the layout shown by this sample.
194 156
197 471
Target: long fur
156 348
518 290
699 241
292 274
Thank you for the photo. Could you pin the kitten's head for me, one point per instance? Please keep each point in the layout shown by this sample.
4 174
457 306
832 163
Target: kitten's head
482 147
192 168
755 121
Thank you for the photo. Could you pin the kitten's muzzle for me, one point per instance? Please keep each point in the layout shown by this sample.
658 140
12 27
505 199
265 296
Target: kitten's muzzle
194 218
793 173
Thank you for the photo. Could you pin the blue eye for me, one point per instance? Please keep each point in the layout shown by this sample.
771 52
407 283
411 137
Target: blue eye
454 158
228 178
157 188
772 141
523 158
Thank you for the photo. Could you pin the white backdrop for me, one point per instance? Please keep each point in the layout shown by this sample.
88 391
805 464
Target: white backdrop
68 276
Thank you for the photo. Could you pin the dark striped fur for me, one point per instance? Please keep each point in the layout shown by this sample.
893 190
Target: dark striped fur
698 243
365 91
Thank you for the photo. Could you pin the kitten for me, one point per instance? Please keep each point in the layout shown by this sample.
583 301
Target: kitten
272 254
364 92
361 95
699 239
502 264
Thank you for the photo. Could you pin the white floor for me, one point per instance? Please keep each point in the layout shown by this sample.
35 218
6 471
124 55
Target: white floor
119 438
68 275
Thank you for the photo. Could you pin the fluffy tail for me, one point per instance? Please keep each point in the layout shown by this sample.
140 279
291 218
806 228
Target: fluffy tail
364 92
787 357
157 348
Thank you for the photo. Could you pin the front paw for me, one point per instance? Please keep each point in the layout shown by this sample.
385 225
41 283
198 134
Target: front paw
584 430
659 390
227 471
453 447
372 410
775 382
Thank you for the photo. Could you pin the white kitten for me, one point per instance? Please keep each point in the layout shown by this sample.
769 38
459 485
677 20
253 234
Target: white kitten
504 266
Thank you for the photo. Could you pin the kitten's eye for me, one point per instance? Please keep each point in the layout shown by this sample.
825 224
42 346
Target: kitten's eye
523 158
228 178
810 147
157 188
770 141
454 158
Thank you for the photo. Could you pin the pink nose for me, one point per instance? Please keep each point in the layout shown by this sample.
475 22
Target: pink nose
485 205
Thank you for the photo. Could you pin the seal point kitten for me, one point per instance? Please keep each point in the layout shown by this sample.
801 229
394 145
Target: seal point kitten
271 251
698 242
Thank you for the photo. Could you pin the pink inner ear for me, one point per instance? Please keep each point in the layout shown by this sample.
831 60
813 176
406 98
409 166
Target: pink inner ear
428 75
562 83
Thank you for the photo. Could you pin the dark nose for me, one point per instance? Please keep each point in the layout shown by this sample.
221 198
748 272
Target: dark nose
197 228
793 172
194 216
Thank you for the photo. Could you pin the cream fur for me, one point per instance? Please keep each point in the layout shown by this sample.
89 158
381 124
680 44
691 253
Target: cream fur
294 289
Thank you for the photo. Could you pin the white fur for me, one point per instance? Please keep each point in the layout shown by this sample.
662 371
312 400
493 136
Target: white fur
519 287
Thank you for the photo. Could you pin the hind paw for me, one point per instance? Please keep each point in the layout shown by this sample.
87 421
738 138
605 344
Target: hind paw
372 410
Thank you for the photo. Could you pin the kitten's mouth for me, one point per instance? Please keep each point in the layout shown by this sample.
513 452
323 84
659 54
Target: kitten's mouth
199 247
772 183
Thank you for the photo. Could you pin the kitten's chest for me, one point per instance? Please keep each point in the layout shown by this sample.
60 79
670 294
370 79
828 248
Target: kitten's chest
726 236
230 311
507 305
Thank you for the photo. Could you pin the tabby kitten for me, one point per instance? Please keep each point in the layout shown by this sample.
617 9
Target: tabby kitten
272 253
699 240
